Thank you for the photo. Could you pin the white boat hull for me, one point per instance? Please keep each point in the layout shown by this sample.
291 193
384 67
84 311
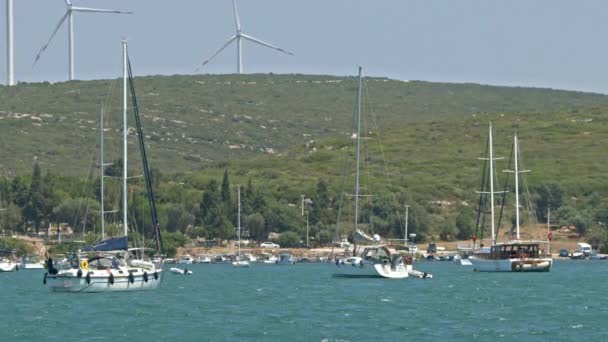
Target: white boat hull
32 266
464 262
511 265
101 281
240 264
180 271
8 266
359 268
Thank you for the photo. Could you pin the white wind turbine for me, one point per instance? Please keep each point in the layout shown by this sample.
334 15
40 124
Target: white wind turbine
10 44
69 16
238 37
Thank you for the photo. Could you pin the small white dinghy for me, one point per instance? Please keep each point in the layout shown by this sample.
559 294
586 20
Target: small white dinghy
240 263
185 271
420 274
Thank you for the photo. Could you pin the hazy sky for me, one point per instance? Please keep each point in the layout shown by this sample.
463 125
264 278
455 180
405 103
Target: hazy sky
543 43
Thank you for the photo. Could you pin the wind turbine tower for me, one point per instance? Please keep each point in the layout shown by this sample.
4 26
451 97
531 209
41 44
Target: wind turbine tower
238 37
10 44
69 16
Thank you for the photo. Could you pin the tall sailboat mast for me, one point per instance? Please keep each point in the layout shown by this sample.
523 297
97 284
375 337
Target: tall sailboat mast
238 218
516 152
124 137
358 151
101 176
492 186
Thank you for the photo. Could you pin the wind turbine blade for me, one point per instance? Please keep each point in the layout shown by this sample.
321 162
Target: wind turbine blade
255 40
46 45
216 53
67 2
236 16
99 10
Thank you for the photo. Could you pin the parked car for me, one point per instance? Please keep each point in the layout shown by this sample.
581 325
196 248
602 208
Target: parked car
269 245
564 253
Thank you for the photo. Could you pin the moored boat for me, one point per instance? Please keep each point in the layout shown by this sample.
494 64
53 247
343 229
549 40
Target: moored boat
517 255
113 268
8 265
375 261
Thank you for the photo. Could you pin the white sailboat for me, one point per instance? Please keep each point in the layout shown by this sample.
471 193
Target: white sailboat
240 261
511 256
375 260
109 272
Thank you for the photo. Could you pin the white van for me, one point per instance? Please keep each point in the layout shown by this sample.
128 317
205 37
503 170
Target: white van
584 248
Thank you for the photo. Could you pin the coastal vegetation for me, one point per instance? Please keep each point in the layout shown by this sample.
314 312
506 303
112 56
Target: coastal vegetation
424 143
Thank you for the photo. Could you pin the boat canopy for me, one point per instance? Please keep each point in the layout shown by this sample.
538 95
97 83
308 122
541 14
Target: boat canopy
111 244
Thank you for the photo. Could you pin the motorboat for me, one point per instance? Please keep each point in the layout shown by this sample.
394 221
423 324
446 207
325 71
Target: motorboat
250 257
464 253
203 259
241 263
269 259
285 258
186 260
31 262
7 265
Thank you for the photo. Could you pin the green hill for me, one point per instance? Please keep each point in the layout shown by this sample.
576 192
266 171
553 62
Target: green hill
284 136
191 120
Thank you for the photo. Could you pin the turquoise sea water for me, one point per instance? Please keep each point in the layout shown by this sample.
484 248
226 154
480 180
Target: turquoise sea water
305 303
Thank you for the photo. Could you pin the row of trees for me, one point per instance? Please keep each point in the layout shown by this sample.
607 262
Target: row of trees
209 210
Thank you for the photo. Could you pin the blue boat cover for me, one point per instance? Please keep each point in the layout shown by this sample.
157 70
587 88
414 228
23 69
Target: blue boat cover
111 244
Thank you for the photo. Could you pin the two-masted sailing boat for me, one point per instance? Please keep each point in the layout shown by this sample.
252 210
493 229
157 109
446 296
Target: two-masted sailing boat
112 268
376 260
516 255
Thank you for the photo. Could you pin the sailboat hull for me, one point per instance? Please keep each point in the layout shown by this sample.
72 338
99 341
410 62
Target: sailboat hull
356 267
481 264
104 280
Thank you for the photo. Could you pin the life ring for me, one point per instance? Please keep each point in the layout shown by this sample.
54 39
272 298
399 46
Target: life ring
408 259
84 264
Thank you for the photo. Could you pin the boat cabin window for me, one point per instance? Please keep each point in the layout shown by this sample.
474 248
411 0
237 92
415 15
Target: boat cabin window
515 251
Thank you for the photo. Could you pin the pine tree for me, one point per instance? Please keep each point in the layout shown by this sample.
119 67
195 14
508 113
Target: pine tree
226 190
34 208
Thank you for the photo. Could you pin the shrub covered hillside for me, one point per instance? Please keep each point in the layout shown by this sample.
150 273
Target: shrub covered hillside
190 121
431 165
